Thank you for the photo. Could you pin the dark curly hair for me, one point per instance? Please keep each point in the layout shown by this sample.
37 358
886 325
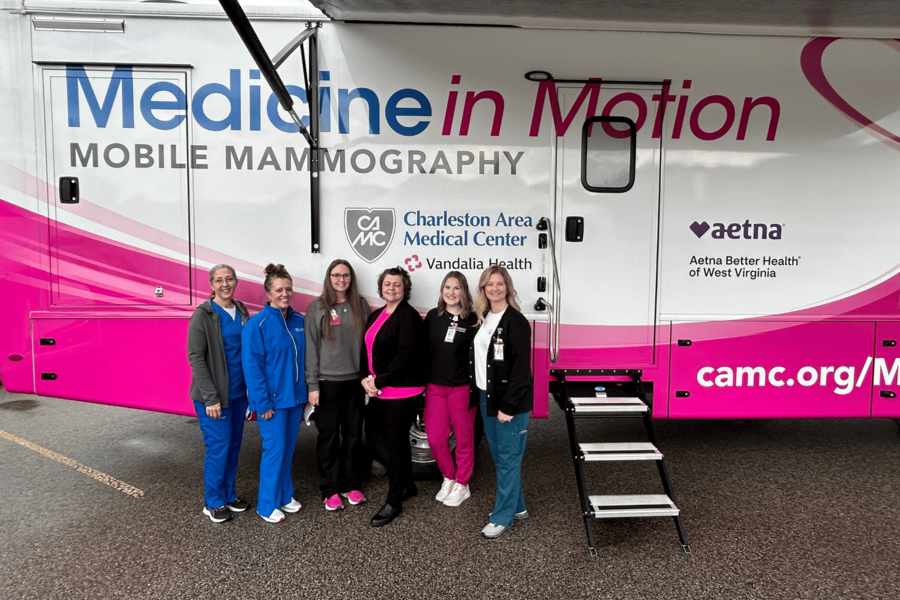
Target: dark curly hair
404 276
274 272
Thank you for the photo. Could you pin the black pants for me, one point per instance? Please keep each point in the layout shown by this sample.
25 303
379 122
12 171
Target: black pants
339 419
391 422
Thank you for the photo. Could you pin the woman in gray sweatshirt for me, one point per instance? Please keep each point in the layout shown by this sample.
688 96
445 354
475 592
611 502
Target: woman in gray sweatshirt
218 390
335 323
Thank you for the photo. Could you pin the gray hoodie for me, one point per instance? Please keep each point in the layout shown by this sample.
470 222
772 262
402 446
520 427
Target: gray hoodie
206 353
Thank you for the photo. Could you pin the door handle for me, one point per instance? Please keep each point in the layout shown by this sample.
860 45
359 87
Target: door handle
68 190
574 229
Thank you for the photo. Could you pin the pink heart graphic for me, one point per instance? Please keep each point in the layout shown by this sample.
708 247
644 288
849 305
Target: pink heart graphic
811 63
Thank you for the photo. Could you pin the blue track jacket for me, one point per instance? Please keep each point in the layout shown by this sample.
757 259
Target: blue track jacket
274 353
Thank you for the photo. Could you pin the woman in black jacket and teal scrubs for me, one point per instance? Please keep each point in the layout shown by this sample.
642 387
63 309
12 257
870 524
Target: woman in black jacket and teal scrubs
218 390
501 385
393 373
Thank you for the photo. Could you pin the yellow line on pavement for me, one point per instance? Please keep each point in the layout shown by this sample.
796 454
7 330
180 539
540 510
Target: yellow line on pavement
101 477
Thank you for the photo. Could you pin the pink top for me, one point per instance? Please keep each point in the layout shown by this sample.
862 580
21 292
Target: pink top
387 392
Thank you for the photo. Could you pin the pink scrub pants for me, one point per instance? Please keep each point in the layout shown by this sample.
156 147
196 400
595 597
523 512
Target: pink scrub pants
447 406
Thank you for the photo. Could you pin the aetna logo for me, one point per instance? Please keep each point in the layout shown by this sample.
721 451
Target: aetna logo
738 231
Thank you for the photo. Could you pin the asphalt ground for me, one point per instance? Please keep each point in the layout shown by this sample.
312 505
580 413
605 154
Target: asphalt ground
773 509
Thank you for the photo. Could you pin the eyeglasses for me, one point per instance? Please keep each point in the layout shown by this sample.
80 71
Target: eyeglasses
340 275
219 280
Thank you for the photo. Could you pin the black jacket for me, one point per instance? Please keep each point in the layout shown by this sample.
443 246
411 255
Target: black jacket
206 353
510 387
400 350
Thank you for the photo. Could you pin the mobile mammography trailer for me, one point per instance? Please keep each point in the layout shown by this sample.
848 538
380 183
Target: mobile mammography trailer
721 209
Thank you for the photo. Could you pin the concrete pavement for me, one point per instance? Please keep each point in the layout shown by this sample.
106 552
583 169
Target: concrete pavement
773 509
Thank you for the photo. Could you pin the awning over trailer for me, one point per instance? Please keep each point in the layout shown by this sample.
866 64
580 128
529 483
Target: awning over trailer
295 10
842 18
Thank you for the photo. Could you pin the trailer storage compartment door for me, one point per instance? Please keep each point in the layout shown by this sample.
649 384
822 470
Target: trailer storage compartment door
886 371
116 142
116 358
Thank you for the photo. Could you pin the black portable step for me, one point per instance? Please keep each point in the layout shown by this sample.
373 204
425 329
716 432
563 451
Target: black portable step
584 399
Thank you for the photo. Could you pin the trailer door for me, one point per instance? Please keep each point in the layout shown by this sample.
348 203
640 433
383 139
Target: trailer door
116 143
607 216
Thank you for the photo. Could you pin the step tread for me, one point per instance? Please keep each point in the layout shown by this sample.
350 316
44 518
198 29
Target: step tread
614 408
607 507
620 451
617 446
630 500
606 400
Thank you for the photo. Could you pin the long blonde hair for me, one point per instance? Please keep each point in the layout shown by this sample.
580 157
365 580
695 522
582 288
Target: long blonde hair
465 300
482 304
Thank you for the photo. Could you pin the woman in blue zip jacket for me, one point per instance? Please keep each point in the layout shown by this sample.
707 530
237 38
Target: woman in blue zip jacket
274 352
500 382
218 390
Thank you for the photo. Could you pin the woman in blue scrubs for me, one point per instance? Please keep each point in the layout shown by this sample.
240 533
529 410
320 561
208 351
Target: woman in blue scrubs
218 390
274 352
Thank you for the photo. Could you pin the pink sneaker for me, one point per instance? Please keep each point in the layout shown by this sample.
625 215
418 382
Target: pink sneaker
334 503
354 497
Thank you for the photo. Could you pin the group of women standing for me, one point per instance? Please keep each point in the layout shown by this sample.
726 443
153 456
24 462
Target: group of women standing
352 364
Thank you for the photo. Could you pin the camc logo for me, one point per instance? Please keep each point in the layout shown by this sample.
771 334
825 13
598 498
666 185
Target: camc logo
738 231
370 231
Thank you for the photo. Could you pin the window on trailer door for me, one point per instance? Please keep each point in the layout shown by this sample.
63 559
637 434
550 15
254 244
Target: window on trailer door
608 147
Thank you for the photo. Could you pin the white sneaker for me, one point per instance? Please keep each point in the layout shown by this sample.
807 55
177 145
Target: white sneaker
292 507
492 530
459 494
445 489
276 517
519 516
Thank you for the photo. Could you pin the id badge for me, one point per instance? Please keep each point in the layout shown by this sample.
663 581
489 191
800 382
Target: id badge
334 318
498 351
451 333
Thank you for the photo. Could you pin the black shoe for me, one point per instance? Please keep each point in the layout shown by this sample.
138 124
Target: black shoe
217 515
410 493
387 514
238 505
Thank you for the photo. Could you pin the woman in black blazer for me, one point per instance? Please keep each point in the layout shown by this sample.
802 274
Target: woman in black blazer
393 373
501 384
